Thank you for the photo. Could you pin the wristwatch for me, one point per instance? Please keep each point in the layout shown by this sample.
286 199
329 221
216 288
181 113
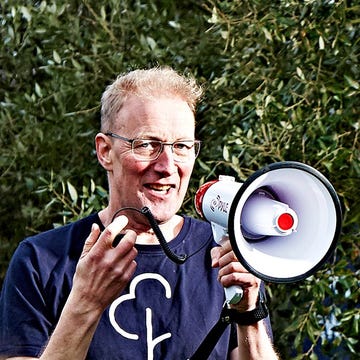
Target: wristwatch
248 317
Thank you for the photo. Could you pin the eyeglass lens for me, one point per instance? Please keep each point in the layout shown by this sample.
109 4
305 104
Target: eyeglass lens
151 149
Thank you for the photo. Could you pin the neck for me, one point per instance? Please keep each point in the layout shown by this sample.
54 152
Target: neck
145 234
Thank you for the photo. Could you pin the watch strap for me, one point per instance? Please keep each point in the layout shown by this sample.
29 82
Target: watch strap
251 317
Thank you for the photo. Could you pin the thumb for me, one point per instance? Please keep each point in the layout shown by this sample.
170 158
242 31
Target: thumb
91 239
215 256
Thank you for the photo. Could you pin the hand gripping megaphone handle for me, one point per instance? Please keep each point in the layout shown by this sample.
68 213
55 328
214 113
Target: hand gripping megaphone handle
233 294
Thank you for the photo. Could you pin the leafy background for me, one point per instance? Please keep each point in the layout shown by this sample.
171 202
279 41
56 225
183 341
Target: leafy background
282 83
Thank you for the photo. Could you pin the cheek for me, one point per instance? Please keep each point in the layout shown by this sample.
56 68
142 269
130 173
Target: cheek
128 171
126 164
185 174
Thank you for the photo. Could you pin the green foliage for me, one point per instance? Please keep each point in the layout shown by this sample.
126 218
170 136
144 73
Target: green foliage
282 83
66 201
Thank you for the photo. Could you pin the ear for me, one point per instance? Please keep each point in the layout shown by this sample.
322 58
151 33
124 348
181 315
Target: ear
103 146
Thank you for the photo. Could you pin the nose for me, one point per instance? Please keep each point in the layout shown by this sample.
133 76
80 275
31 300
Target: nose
165 162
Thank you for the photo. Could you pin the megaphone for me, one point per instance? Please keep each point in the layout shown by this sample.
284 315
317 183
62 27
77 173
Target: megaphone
283 222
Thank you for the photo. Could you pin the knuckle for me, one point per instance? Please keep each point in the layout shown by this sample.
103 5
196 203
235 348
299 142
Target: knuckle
109 233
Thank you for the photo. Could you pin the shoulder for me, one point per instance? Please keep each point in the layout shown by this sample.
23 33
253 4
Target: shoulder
195 233
50 254
196 228
194 223
69 238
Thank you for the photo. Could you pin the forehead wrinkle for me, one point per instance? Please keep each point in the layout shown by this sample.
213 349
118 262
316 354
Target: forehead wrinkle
154 123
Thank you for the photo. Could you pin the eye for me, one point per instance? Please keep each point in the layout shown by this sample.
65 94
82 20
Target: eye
183 146
146 144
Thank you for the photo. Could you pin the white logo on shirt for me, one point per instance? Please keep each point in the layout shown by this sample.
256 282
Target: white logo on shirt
151 343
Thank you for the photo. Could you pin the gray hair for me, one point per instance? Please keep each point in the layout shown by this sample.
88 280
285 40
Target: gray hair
147 84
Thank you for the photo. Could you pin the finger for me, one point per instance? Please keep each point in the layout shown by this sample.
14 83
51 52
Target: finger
227 258
218 252
232 267
233 277
222 255
226 245
109 234
248 282
91 239
126 247
215 256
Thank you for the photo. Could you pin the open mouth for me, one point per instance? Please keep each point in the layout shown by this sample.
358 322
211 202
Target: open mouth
159 187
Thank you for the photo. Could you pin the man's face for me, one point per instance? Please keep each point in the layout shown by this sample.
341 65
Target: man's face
160 184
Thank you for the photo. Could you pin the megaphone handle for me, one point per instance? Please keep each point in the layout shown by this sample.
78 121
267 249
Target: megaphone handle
233 294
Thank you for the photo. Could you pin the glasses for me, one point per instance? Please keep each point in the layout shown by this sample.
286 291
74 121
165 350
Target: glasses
148 149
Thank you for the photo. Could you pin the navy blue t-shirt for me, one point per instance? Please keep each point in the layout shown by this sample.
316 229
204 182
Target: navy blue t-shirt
164 313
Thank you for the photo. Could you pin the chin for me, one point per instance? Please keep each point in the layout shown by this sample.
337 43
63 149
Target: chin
162 210
162 216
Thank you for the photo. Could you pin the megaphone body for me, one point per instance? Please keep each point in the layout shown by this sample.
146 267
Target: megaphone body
283 222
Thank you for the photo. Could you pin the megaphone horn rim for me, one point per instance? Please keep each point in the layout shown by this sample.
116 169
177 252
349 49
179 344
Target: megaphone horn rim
244 188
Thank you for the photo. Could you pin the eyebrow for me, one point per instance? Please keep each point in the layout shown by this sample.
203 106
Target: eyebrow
154 137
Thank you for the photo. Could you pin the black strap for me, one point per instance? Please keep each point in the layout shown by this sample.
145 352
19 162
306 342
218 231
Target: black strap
208 344
250 317
228 316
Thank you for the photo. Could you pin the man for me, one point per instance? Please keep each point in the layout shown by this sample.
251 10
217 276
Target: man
72 293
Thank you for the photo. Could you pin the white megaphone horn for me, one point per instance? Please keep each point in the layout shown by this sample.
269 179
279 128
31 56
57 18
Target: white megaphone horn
283 221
